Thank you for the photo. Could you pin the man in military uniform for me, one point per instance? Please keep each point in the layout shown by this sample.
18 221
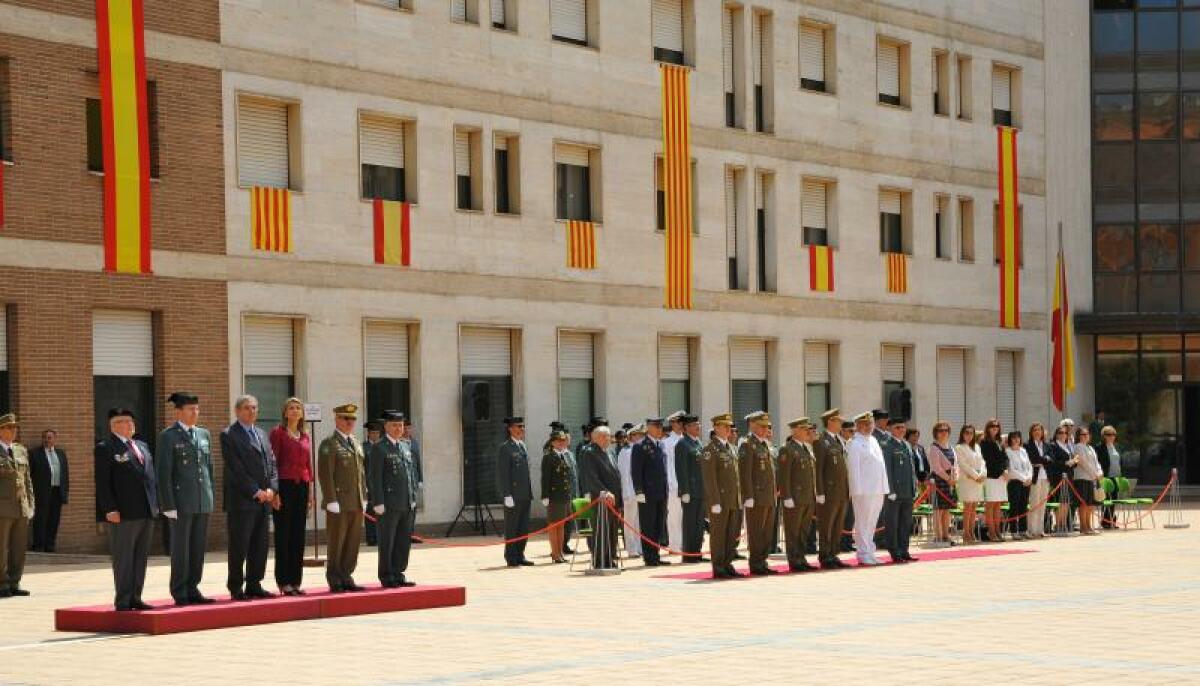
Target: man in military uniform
649 470
691 488
600 478
341 472
798 485
392 495
833 489
722 497
183 465
16 508
515 487
374 429
897 509
756 467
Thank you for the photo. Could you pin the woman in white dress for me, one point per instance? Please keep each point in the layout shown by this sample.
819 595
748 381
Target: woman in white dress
971 475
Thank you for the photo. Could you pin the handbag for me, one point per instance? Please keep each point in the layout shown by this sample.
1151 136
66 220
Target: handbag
1099 493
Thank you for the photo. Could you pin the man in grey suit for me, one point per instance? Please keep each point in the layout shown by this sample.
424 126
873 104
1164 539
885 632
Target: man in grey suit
392 496
184 470
599 477
251 482
514 485
127 500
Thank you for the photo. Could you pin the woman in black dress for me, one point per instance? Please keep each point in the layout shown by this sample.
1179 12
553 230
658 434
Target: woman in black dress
995 490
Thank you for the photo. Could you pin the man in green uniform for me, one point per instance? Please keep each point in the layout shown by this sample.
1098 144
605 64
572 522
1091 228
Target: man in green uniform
16 508
691 488
722 497
902 479
374 429
833 489
183 465
514 485
798 485
392 494
756 469
340 473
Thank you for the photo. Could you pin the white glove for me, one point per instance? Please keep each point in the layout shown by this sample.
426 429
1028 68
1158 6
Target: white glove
749 503
171 514
334 507
686 498
364 507
892 496
641 497
789 503
545 502
820 500
509 502
716 509
380 509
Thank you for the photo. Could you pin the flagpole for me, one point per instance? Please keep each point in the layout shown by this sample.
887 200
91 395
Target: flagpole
1059 270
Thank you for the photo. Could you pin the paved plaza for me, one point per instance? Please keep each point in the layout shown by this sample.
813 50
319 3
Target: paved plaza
1123 607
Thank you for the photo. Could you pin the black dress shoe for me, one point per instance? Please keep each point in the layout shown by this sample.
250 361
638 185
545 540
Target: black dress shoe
567 550
200 600
514 564
559 561
408 584
5 593
336 589
801 567
760 572
290 592
139 605
18 592
260 594
739 556
355 588
910 558
123 608
720 574
298 591
239 596
734 574
665 562
526 563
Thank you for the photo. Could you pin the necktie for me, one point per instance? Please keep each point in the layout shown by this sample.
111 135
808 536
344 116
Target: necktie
136 453
192 435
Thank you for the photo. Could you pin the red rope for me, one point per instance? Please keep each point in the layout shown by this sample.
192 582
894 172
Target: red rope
445 544
1145 514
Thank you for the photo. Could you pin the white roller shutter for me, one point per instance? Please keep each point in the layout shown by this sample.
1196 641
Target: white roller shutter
748 359
1001 89
816 362
892 363
568 19
122 343
756 47
267 348
812 52
571 154
458 10
951 384
813 208
674 360
731 213
889 202
576 355
727 48
381 142
666 17
262 143
3 341
498 13
385 350
462 152
888 66
1006 389
486 352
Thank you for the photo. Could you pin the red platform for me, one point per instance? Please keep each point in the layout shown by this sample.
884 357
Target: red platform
166 618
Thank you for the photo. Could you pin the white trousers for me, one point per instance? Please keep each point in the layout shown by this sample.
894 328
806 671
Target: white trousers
866 518
1037 517
633 544
675 522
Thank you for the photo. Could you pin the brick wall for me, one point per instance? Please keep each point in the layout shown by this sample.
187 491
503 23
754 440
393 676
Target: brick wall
193 18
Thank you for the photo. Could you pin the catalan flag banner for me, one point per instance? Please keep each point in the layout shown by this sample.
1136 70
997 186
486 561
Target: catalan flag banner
271 219
1009 229
677 187
581 245
126 135
897 272
820 268
1062 368
391 232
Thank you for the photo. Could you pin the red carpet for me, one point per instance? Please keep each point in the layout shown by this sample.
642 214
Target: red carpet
931 556
165 618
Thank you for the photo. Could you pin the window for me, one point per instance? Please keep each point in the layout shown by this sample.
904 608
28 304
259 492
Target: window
815 52
1112 117
817 387
486 356
5 119
814 213
1004 81
996 228
941 232
1006 389
503 14
764 202
386 367
569 21
748 374
5 393
952 386
764 74
508 174
891 63
894 368
95 132
660 199
95 136
381 152
966 230
268 369
1157 50
963 63
666 26
123 368
264 143
674 374
573 183
1112 50
734 228
576 377
466 11
1158 116
731 61
892 221
468 191
941 83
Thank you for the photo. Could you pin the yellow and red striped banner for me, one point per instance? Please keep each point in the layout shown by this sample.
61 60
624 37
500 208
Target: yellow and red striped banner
897 272
581 245
391 232
1009 229
677 187
271 219
1062 367
820 268
125 126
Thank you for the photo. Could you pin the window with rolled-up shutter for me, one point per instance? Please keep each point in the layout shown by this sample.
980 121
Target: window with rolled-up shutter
727 48
571 154
499 20
816 362
486 352
462 152
262 141
951 386
889 202
568 20
674 358
731 214
385 347
268 365
748 359
892 363
1006 389
458 10
576 385
888 67
756 46
812 57
1001 89
381 142
813 215
122 343
666 20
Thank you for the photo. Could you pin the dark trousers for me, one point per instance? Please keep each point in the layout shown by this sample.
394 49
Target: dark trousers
797 522
289 532
516 524
829 527
604 548
693 528
14 537
248 543
652 518
129 546
723 531
898 524
189 538
344 531
46 515
395 529
759 521
372 533
1018 505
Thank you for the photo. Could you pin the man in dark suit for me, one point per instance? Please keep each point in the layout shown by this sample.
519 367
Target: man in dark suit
251 481
392 496
127 499
514 486
599 477
691 488
51 485
649 471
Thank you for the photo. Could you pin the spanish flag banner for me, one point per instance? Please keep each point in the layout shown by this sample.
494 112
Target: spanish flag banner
581 245
126 135
897 272
1062 369
677 187
820 268
1009 229
271 219
391 232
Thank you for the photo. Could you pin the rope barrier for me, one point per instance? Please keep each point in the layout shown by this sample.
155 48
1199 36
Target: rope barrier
1153 505
445 544
612 507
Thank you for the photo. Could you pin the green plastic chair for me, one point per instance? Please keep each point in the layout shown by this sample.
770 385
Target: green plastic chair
583 518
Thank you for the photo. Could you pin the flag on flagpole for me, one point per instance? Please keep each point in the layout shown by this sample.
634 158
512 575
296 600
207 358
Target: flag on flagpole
1062 370
1 192
1008 229
677 186
820 268
271 219
897 272
581 245
124 125
391 232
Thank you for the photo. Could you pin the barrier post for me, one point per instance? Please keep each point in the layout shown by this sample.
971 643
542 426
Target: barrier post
605 553
1062 518
935 539
1175 505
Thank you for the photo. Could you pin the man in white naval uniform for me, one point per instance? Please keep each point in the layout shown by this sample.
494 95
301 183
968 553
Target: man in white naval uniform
868 486
674 504
633 544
